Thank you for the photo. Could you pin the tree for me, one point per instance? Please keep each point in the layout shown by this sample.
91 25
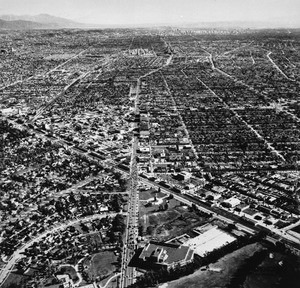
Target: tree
72 197
141 230
118 224
166 206
150 230
84 228
116 203
112 236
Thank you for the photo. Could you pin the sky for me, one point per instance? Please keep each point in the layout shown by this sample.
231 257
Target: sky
118 12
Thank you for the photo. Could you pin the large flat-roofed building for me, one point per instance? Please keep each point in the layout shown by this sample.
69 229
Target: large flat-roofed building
209 240
169 255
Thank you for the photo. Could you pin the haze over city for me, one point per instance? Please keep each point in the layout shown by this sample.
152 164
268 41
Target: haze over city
137 12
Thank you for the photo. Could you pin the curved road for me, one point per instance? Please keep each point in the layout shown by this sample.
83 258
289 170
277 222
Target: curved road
77 273
110 279
18 254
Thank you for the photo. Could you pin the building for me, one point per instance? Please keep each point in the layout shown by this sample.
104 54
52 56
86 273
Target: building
184 176
168 255
232 202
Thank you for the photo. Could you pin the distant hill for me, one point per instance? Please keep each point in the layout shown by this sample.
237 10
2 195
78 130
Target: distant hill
41 21
46 21
24 25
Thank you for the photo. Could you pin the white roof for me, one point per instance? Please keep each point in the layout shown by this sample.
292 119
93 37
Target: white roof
209 241
233 201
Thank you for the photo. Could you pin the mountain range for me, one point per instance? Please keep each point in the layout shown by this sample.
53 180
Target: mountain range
41 21
46 21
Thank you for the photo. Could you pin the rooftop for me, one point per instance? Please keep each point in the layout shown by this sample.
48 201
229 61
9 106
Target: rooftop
173 253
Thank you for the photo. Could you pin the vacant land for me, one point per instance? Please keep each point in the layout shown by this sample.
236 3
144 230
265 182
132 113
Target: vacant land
175 220
14 280
211 279
101 264
150 194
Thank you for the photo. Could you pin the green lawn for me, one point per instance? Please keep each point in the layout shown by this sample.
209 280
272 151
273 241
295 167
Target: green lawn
145 195
148 194
14 280
101 264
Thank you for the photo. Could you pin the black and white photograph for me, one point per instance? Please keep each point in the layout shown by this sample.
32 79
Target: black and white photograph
150 143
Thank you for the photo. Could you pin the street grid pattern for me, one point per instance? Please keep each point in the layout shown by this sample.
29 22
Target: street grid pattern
128 274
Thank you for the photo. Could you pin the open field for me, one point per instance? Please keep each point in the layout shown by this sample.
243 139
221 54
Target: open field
166 224
14 280
101 264
152 207
148 194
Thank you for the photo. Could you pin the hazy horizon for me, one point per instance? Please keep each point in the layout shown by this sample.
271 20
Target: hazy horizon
135 12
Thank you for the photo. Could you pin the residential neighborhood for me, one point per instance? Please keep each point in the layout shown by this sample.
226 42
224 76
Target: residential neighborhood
137 157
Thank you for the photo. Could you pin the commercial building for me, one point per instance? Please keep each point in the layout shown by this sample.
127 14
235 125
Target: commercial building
168 255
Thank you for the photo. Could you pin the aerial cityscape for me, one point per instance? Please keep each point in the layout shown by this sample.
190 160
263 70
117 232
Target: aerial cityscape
150 156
